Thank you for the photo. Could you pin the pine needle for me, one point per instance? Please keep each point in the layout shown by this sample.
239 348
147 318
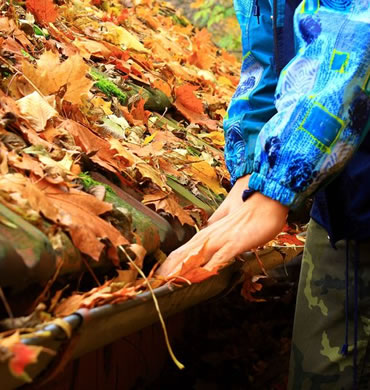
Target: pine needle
156 304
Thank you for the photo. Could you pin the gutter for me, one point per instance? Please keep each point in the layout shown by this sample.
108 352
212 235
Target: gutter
94 328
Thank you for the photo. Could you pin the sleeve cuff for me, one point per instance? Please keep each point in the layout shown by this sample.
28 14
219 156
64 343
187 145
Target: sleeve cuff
274 190
242 169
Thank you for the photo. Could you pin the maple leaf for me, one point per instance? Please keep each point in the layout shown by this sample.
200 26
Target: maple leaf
186 97
139 113
51 75
168 203
37 110
192 107
43 10
90 143
250 286
162 86
21 355
201 59
206 175
79 212
192 269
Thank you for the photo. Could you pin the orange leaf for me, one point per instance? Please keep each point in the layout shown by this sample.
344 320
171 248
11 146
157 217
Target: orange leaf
201 59
91 143
197 275
192 268
194 261
79 212
44 10
138 112
162 86
51 75
23 355
191 107
185 96
251 286
168 203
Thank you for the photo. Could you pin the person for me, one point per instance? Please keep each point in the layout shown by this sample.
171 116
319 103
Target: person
297 127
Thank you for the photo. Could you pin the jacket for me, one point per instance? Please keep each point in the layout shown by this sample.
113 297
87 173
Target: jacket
301 109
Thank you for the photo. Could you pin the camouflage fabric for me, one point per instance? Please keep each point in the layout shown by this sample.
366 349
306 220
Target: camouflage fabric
319 328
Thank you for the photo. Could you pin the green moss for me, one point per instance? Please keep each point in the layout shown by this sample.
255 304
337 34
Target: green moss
108 87
88 181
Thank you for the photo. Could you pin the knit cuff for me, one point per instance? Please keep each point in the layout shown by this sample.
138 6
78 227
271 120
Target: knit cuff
274 190
242 169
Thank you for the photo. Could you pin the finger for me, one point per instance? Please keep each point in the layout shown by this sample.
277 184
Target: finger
222 257
216 216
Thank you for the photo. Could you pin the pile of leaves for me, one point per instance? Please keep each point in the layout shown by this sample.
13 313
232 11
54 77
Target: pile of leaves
128 89
131 91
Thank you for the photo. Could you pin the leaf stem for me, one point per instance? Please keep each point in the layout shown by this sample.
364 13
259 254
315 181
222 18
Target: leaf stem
156 304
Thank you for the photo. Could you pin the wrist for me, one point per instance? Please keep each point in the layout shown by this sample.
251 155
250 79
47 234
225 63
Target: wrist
258 200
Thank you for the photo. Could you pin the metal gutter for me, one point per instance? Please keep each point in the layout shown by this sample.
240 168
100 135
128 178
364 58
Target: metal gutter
92 329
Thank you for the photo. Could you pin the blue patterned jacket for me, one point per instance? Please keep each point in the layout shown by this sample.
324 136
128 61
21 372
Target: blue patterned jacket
302 106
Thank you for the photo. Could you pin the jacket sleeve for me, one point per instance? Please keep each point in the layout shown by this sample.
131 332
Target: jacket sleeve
253 102
323 104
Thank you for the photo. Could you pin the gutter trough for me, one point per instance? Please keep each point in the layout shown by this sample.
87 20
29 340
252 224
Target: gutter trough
94 328
97 327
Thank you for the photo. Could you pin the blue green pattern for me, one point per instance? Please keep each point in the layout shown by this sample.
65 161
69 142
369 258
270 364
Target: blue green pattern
315 117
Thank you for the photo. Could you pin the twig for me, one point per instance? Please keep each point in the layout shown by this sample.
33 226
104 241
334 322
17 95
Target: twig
260 262
48 285
156 304
6 304
25 77
91 271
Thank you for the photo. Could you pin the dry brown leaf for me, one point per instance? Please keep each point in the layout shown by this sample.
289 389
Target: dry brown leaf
79 212
192 269
51 75
169 204
139 113
92 143
129 276
192 107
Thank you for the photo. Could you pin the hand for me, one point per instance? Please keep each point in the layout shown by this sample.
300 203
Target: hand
254 223
232 202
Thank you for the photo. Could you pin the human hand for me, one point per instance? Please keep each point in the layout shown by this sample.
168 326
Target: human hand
255 222
232 202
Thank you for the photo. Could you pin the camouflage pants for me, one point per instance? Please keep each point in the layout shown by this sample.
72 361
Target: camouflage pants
320 322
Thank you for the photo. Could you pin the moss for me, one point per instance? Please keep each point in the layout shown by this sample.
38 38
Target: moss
108 87
88 181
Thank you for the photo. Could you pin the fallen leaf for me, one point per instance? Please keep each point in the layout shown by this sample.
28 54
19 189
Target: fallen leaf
129 276
90 143
37 110
99 102
170 204
79 212
186 97
217 137
192 268
21 355
192 107
120 36
139 113
162 86
44 10
206 175
51 75
250 286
